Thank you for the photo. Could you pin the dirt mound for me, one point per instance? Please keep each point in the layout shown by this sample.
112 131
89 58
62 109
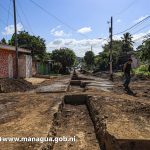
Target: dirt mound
14 85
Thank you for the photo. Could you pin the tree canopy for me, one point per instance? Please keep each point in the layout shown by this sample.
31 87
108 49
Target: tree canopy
116 53
3 41
34 43
144 50
89 58
65 56
127 45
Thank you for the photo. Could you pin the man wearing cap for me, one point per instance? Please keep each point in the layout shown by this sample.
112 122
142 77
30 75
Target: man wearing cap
127 69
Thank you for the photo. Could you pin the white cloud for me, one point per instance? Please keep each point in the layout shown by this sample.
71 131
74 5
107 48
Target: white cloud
118 20
9 30
141 18
79 46
137 38
84 30
57 32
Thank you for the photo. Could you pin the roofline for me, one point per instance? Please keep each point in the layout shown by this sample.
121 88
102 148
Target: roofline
12 48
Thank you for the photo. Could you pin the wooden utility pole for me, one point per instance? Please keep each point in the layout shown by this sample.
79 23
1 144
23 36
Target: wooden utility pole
16 40
91 48
111 38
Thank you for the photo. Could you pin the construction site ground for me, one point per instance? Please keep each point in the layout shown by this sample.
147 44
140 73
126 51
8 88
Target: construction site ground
97 112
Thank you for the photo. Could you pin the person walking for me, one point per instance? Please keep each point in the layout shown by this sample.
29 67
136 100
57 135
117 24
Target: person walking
127 74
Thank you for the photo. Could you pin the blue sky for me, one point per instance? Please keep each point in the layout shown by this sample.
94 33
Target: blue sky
87 21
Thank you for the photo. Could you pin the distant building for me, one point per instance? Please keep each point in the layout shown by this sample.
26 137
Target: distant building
8 62
42 67
124 58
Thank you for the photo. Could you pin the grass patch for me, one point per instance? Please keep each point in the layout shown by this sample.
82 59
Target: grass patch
142 70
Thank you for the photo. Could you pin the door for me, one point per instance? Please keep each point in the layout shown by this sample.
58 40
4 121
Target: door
10 66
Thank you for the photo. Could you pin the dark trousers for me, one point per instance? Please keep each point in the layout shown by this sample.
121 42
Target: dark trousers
127 79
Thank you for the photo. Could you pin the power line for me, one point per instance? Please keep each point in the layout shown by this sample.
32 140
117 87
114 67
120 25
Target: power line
17 10
8 15
133 26
19 17
142 29
8 12
144 36
27 21
6 9
56 18
126 8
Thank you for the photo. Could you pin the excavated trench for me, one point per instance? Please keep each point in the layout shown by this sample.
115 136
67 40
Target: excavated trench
77 117
73 120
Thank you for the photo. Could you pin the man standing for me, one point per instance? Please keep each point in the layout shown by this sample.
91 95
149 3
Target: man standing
127 69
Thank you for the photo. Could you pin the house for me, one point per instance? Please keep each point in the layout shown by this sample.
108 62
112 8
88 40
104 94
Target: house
8 62
124 58
42 67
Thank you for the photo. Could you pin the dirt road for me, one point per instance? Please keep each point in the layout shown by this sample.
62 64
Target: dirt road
105 120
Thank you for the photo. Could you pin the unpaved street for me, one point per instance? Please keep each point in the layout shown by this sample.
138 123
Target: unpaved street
98 116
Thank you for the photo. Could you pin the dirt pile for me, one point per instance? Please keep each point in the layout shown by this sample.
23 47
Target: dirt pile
14 85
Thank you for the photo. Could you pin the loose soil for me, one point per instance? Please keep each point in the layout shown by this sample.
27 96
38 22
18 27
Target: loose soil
15 85
28 114
75 121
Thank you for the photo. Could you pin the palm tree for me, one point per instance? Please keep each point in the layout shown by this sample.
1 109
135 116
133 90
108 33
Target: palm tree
127 42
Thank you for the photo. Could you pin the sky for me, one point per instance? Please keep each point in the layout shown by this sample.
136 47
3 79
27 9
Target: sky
76 24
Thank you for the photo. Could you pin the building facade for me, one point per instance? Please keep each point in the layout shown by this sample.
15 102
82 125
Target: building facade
42 67
8 62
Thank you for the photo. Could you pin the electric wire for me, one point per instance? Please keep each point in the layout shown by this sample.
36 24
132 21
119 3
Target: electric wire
142 29
56 18
25 17
133 26
126 8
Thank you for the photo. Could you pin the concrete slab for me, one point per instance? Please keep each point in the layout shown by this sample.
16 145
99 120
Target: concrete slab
56 87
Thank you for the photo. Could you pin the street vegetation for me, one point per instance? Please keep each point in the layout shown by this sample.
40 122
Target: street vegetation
65 58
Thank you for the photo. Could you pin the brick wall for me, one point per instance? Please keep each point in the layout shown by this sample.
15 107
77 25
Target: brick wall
4 54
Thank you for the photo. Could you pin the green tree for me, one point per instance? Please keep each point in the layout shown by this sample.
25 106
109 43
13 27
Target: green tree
127 42
47 56
33 43
89 58
3 41
56 67
102 61
65 56
116 53
144 51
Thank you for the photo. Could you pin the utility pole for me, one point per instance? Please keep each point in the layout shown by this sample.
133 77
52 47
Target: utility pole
111 38
91 48
16 40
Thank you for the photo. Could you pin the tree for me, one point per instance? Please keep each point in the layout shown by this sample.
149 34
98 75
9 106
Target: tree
127 42
56 67
47 56
33 43
89 58
3 41
116 53
102 60
144 51
65 56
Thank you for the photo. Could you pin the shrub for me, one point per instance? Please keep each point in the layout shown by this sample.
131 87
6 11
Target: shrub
57 67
